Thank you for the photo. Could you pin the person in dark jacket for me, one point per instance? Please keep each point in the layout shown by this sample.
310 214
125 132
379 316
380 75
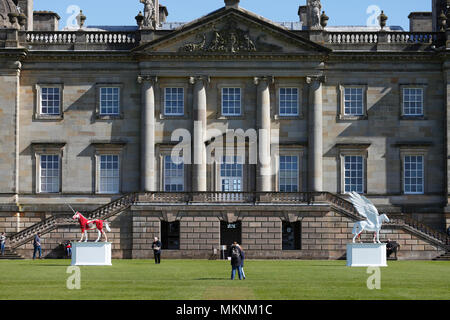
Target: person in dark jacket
37 246
242 261
156 246
236 261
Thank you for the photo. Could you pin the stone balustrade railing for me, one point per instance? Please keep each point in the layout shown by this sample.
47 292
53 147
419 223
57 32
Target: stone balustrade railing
111 37
412 37
352 37
51 37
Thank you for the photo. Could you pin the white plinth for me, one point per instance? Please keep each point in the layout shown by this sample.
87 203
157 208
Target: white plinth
366 255
91 254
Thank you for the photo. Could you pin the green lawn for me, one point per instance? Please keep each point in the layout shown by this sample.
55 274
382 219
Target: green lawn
202 280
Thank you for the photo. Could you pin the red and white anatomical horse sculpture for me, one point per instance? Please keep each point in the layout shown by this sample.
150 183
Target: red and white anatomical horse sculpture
86 225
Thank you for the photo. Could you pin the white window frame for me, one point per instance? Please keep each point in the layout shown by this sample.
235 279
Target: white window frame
99 174
39 115
422 177
353 150
289 150
240 101
58 189
403 88
166 150
105 149
183 177
165 101
109 116
287 115
343 115
297 174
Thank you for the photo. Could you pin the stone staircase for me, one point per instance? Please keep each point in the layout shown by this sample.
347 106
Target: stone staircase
405 222
54 222
444 257
10 255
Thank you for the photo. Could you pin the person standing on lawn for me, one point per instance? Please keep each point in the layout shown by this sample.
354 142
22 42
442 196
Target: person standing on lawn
156 246
236 253
242 261
37 246
2 243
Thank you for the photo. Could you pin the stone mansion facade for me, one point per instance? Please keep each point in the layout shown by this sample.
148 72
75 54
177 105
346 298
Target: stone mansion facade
271 124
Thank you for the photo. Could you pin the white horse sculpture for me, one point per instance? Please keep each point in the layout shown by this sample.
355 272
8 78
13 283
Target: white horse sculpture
374 220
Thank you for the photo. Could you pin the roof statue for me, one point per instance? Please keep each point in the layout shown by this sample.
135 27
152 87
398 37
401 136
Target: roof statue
151 14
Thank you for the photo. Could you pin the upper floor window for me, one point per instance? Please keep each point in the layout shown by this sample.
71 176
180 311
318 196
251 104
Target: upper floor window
354 174
173 174
353 101
413 171
109 101
231 101
413 101
289 102
49 173
174 101
109 174
50 101
288 175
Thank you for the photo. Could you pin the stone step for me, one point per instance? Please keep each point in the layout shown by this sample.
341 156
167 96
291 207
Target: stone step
10 255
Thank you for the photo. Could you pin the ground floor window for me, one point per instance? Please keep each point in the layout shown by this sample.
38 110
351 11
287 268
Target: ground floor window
49 173
292 235
170 235
109 175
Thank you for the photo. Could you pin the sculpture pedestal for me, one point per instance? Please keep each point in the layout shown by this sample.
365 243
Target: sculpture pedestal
91 254
366 255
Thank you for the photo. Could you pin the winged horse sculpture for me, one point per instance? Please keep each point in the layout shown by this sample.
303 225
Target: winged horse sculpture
373 221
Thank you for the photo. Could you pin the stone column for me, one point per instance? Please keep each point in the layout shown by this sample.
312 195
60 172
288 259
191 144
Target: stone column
315 146
264 168
200 122
148 159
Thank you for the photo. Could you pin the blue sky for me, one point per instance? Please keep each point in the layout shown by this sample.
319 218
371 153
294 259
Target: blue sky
341 12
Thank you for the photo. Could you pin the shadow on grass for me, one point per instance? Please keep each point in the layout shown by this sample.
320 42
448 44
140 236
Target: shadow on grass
209 279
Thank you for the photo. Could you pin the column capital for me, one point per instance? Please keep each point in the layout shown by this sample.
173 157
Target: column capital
145 78
268 79
312 79
195 79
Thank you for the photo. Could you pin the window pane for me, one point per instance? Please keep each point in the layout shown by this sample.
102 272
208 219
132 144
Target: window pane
288 174
173 174
353 101
288 101
109 101
50 101
413 174
413 102
49 173
174 101
354 174
109 175
231 101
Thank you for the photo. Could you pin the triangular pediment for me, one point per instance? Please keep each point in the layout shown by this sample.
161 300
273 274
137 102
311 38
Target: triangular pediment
232 31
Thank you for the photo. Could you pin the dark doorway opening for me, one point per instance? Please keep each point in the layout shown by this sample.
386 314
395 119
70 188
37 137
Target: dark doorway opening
170 235
229 233
292 235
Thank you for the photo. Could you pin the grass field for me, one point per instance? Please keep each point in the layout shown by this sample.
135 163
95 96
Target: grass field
209 280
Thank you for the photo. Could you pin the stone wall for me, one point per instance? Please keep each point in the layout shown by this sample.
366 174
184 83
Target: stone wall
324 235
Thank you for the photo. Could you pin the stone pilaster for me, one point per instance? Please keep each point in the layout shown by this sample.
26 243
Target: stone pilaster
199 182
264 168
315 147
148 159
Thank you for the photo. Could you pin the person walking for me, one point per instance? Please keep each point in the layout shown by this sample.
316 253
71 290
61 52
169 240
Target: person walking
156 246
236 253
37 246
2 243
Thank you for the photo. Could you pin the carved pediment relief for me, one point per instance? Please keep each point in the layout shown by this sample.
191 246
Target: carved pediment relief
231 33
229 39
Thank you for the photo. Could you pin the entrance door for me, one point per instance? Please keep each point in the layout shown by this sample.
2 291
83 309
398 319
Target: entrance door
229 233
